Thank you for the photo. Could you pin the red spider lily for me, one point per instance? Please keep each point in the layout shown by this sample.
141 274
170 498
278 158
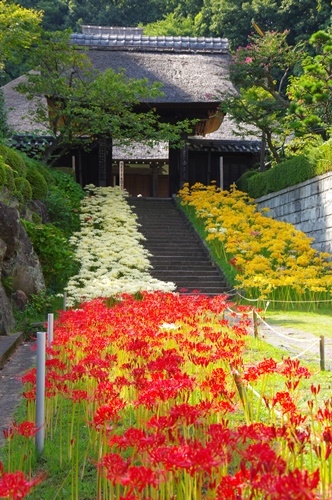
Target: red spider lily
292 368
162 390
108 413
264 367
138 439
262 459
285 401
315 390
231 487
297 485
324 414
192 457
30 394
139 477
112 358
30 377
8 434
169 360
105 391
78 395
15 486
26 429
257 432
114 466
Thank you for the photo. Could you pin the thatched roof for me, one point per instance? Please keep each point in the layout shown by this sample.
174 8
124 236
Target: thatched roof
20 109
190 69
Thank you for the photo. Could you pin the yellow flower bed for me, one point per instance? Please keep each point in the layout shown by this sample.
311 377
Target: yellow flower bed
272 260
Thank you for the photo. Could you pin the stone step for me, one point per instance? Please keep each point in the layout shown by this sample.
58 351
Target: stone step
177 254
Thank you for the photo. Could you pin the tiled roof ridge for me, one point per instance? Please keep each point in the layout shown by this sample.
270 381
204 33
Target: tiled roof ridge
144 42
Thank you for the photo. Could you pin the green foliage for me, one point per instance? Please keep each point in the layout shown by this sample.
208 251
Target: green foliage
23 188
3 176
242 182
310 94
68 185
4 129
38 184
63 202
9 182
259 70
18 31
35 164
300 168
321 157
172 25
55 255
13 159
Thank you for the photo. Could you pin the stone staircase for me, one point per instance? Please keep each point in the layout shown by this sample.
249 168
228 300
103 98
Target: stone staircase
178 255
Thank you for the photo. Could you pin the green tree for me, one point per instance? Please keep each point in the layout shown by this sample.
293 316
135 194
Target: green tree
300 17
85 103
61 14
259 72
310 93
55 12
19 29
173 24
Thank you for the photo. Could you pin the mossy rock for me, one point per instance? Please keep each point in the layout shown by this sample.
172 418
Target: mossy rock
14 160
38 184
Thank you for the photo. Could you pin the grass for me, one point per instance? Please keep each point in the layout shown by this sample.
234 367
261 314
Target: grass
316 322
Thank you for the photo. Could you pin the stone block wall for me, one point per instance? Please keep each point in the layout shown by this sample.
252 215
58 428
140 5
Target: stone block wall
308 206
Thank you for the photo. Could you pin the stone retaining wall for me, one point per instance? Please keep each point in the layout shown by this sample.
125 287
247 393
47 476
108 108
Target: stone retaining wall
308 206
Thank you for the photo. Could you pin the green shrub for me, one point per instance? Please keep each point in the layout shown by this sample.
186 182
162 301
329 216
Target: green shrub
60 211
43 169
63 202
2 172
283 175
242 182
321 157
257 185
300 168
69 187
9 183
14 160
38 184
23 188
55 255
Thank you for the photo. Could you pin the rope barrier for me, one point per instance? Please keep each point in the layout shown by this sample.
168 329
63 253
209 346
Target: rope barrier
284 301
303 352
278 333
310 347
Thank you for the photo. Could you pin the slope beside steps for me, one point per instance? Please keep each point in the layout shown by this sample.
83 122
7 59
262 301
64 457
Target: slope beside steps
178 255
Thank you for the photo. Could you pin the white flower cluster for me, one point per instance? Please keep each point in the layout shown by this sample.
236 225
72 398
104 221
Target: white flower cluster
109 249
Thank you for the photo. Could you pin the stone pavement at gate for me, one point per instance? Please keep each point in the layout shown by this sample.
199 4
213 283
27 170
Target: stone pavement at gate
17 356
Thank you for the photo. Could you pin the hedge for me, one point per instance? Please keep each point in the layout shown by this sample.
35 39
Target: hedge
288 173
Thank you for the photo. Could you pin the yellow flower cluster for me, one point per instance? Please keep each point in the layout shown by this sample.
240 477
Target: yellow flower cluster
272 259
